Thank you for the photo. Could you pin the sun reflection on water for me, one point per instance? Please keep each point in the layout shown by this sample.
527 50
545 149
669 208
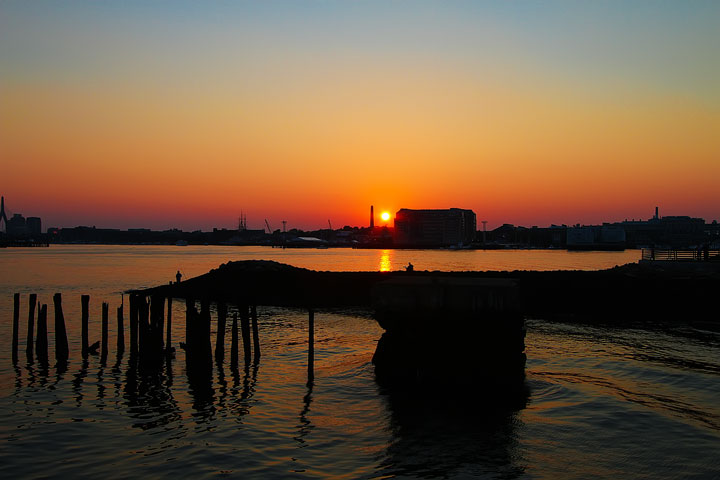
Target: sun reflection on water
386 260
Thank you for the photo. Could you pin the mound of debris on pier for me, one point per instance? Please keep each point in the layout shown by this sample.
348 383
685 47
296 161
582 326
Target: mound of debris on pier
244 267
266 282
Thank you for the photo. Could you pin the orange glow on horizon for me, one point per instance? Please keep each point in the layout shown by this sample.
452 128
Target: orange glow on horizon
510 124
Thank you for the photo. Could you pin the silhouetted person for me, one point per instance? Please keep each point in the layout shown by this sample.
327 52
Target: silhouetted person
706 252
178 276
409 267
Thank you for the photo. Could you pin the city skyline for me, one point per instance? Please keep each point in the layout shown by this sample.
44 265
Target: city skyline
182 115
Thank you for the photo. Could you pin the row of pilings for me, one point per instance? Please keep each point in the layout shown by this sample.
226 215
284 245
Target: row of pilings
150 331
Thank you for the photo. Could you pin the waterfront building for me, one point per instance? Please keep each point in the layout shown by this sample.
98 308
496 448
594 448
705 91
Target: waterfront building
34 226
434 228
596 237
16 226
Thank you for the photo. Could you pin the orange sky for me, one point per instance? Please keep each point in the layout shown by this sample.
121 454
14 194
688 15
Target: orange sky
143 121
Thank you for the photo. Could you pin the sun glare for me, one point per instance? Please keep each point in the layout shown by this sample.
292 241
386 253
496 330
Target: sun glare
385 216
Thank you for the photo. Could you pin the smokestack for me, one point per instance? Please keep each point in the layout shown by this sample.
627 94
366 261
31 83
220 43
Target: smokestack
656 213
372 217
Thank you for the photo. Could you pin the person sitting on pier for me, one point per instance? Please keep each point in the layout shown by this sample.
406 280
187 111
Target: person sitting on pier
409 267
178 276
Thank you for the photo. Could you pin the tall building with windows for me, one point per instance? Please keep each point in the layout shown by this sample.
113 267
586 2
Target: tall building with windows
434 228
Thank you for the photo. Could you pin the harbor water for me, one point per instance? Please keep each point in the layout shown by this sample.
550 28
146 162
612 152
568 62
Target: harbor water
600 401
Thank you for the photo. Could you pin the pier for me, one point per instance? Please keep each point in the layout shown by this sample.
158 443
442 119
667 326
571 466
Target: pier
438 325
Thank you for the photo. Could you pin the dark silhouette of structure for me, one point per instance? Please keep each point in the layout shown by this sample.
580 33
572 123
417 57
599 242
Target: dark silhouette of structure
434 228
372 217
3 215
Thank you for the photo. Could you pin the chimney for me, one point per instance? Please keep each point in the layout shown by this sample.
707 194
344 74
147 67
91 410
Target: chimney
372 217
656 213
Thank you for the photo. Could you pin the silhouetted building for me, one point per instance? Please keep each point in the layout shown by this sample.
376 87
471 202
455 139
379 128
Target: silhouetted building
596 237
3 215
16 226
670 231
34 226
453 226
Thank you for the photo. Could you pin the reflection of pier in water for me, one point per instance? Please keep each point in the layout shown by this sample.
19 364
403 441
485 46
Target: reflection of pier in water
434 322
142 382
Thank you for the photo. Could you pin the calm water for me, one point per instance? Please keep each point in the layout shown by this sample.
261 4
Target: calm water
602 402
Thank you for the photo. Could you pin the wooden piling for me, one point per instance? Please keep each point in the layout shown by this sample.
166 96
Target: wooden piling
104 332
204 329
143 325
120 330
85 299
62 351
31 326
220 336
245 328
157 323
256 334
168 341
41 343
189 320
234 343
134 311
311 346
16 326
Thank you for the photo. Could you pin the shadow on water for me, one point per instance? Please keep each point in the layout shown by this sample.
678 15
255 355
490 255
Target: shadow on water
452 431
148 395
304 426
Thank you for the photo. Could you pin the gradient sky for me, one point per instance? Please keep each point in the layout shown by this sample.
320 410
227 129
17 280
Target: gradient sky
162 114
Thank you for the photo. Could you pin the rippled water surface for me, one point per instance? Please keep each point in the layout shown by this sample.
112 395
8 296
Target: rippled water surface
600 402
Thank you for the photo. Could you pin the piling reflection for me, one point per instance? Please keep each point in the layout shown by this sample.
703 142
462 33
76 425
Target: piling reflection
305 426
240 405
148 397
77 383
453 432
200 382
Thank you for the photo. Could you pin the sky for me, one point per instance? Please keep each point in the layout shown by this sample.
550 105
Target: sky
183 114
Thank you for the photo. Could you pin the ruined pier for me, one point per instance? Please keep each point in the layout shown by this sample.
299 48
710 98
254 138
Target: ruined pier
467 325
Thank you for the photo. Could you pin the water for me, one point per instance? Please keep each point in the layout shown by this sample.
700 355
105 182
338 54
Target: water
601 402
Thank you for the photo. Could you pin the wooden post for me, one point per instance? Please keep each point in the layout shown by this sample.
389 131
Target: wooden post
62 351
41 344
143 325
157 323
16 326
85 299
31 327
189 321
311 346
204 329
120 330
220 336
104 332
134 311
245 327
168 341
256 334
234 347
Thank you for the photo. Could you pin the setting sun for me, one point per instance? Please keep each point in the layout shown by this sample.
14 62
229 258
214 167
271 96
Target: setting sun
385 216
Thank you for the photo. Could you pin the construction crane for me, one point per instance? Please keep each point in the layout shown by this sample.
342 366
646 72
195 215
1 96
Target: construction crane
268 227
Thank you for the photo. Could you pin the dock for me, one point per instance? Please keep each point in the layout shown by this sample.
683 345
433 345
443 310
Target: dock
439 326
